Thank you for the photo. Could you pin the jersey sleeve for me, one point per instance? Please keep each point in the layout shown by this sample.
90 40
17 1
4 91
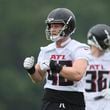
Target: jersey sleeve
82 53
40 56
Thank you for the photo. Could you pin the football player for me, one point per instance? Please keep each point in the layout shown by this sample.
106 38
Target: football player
98 72
62 63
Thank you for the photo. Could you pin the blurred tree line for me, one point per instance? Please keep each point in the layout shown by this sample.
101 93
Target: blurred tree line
22 32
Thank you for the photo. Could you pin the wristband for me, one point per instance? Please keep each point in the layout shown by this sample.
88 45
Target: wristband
31 71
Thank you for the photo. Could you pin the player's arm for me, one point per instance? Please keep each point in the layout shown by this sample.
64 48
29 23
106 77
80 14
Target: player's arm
76 72
38 75
79 66
35 71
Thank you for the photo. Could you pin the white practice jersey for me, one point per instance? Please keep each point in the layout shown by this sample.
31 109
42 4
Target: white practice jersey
97 76
65 56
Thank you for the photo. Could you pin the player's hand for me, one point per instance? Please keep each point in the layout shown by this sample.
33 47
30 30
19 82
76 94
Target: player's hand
55 67
106 93
44 66
29 64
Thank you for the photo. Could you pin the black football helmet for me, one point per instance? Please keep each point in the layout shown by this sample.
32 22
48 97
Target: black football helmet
64 16
99 36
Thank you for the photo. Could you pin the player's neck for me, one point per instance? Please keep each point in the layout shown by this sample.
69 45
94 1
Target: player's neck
62 42
98 53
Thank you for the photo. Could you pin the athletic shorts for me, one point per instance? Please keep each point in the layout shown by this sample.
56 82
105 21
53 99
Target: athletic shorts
60 106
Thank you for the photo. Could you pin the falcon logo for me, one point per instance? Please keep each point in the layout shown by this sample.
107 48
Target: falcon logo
50 19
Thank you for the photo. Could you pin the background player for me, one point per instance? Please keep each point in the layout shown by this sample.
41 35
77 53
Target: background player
98 72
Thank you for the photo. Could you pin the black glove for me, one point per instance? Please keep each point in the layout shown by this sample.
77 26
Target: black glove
31 71
55 67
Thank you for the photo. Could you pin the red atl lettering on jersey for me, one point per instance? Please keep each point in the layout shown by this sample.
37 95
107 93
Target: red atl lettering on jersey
56 57
96 67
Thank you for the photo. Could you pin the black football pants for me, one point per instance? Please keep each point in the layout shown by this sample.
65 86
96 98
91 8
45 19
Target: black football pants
60 106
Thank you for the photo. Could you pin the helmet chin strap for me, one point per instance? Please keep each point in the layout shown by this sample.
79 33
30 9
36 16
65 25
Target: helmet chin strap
55 38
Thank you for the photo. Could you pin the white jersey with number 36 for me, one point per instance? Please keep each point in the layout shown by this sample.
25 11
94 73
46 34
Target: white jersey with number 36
97 75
